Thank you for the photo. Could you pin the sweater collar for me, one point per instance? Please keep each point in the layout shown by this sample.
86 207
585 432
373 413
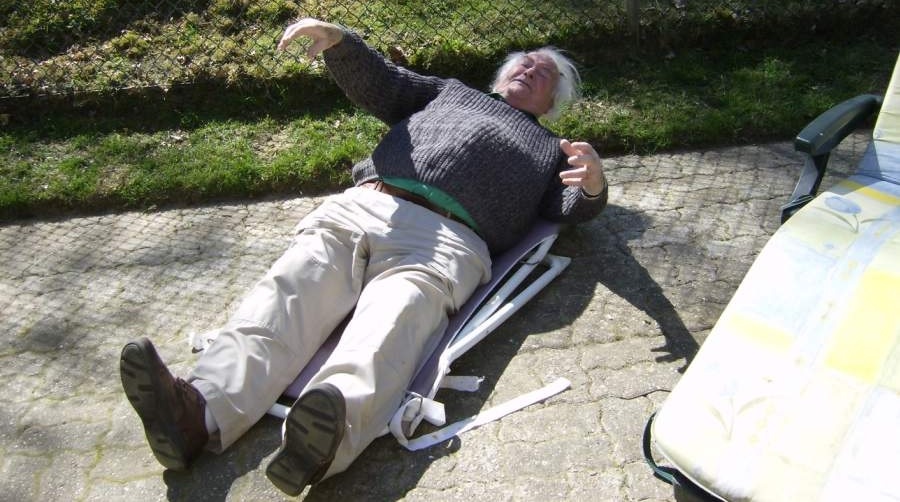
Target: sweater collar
497 96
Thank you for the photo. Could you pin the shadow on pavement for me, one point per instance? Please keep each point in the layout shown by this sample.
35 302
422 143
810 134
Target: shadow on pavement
617 268
211 476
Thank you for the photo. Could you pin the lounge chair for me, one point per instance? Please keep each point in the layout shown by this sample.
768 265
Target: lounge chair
795 394
516 278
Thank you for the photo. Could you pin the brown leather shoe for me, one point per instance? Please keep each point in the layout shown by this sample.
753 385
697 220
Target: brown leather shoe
171 409
311 433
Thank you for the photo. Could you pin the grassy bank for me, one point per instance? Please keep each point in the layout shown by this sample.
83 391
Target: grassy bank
297 134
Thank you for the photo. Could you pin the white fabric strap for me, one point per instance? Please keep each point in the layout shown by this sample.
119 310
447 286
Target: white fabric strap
418 407
410 415
495 413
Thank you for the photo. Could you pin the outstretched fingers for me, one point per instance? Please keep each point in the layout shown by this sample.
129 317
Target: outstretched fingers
587 171
323 35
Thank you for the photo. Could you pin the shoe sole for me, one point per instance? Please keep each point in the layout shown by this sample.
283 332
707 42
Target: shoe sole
136 368
313 429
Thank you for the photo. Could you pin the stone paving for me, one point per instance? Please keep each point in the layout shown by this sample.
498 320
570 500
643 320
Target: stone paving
647 281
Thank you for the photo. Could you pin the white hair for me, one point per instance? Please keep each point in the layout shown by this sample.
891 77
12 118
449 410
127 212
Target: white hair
568 87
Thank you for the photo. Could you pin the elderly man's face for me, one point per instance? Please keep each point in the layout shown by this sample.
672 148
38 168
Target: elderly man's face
529 86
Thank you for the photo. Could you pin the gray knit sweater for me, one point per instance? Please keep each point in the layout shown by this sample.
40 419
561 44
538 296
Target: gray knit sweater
499 163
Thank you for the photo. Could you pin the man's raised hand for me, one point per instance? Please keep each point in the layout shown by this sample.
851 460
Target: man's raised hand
588 169
323 35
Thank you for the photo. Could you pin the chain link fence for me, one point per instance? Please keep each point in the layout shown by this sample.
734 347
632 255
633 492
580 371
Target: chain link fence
64 47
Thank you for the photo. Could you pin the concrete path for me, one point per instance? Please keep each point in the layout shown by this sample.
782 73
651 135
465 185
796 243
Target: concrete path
648 280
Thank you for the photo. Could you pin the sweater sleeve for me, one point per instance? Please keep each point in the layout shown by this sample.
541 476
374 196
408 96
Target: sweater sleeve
385 90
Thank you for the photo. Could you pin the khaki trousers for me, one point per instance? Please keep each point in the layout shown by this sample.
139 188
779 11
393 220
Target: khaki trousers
398 267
